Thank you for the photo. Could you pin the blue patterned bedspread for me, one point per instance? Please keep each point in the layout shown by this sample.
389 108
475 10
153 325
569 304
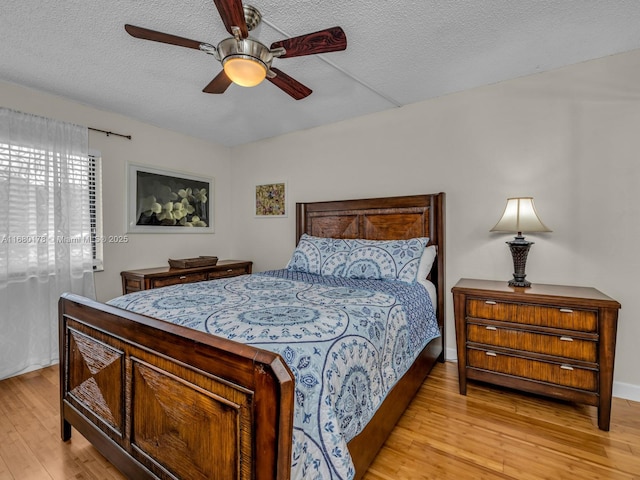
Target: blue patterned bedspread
347 342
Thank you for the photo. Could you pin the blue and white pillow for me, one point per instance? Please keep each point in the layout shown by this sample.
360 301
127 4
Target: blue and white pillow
385 259
322 256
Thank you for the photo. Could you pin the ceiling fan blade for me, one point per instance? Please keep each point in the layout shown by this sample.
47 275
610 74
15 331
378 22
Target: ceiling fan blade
147 34
232 15
325 41
219 84
289 85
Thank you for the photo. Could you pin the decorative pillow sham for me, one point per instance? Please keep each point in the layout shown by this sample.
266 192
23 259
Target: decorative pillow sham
426 262
322 256
385 259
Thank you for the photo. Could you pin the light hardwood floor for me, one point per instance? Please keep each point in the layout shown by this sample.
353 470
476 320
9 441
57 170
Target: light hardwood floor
491 433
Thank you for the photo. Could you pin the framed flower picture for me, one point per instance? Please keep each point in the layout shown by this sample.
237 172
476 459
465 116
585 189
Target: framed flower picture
164 201
271 200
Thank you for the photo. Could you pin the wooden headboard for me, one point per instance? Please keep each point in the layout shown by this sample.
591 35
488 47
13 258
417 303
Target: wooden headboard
388 218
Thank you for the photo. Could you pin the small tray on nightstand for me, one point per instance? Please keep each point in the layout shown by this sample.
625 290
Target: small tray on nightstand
202 261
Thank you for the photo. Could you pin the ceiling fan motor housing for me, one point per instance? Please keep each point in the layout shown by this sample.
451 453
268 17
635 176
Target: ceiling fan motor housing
244 48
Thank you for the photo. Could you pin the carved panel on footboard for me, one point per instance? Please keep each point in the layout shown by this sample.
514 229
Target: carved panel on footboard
94 381
180 424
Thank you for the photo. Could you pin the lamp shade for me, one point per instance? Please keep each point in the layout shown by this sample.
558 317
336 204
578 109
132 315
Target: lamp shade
520 216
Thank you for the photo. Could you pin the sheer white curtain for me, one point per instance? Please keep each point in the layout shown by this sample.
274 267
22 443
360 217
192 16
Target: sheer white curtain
45 246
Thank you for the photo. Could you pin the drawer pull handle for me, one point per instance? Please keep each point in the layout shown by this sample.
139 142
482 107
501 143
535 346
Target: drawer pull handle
490 302
566 339
566 310
566 367
490 354
182 277
489 327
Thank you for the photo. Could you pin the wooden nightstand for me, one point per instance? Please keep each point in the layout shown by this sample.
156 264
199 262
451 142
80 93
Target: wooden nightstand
551 340
146 278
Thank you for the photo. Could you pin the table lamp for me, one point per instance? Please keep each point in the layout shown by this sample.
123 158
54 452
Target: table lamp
520 216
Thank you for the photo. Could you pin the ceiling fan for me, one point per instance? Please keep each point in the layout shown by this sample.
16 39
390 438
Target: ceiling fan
246 61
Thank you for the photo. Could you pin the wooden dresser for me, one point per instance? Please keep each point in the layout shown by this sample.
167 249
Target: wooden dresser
146 278
551 340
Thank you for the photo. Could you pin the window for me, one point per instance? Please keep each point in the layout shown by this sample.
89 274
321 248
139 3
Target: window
29 169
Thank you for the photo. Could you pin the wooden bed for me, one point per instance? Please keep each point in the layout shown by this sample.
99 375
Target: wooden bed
136 386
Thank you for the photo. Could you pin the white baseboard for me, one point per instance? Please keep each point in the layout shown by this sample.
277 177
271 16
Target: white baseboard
627 391
451 355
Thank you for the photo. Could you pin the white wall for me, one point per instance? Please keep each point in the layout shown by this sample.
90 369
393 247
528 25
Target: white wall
568 138
151 146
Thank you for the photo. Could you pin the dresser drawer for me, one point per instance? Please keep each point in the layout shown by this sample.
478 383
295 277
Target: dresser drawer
548 344
132 284
228 272
540 315
557 374
186 278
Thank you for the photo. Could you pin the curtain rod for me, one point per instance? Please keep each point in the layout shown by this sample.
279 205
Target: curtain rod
110 133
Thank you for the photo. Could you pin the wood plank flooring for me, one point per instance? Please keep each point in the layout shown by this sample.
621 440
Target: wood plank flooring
491 433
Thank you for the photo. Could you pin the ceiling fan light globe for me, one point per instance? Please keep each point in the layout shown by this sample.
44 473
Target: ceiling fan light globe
245 71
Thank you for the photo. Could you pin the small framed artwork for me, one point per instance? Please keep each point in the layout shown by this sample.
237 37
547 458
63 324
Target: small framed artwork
271 200
165 201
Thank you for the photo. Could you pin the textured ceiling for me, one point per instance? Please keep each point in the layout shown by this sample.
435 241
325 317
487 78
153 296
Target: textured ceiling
399 52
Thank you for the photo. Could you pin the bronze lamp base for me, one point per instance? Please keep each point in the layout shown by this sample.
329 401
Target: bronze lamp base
519 250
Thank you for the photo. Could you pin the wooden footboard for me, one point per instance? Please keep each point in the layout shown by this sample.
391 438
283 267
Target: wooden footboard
163 401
